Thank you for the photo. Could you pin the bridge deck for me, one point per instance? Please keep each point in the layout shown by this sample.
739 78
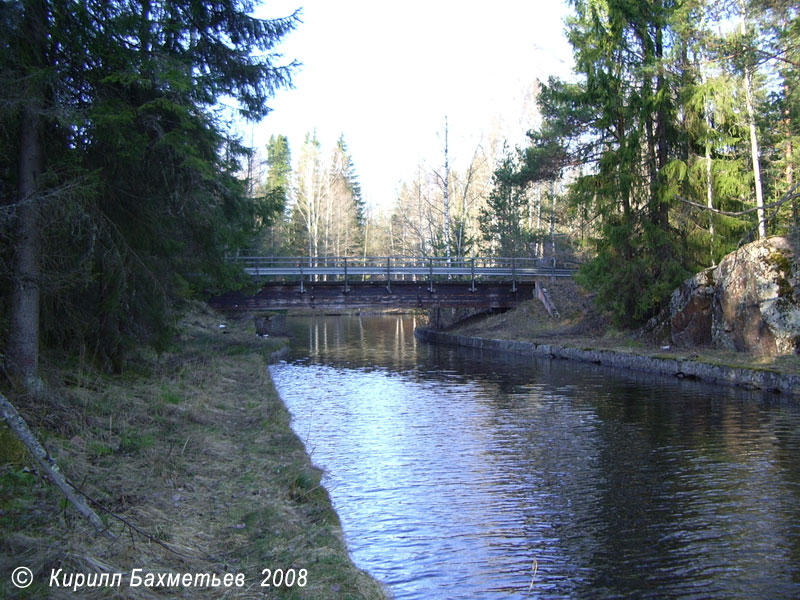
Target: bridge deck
376 294
388 282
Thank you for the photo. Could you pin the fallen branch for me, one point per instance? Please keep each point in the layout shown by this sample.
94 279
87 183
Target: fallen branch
26 436
139 530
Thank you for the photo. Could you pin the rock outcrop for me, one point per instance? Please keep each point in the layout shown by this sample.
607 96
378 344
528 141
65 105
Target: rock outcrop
690 311
750 302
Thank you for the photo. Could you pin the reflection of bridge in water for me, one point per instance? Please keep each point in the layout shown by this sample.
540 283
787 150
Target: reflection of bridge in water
389 282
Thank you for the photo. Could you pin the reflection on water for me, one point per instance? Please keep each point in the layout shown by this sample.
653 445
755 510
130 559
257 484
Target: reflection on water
454 470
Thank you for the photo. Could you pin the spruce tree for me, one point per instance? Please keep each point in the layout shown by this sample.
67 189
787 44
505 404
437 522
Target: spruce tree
502 220
618 123
136 198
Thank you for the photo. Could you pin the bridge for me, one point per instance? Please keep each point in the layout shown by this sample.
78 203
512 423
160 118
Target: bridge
332 282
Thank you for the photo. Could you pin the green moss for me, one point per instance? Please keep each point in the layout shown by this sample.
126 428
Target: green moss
12 451
785 289
780 261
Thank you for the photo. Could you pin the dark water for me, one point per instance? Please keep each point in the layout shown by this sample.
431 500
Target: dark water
455 471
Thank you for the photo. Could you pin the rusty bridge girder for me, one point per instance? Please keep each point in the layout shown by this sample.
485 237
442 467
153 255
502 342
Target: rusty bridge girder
327 295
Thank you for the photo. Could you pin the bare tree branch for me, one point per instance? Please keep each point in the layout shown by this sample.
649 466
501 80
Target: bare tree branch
777 204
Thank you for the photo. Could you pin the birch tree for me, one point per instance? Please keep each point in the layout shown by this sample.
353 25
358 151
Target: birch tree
309 193
747 71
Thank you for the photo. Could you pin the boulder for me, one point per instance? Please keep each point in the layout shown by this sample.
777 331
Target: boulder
690 311
750 302
756 306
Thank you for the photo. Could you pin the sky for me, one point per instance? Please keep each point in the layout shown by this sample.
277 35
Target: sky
385 75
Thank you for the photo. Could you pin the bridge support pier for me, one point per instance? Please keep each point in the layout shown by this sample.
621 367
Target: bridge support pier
514 275
302 291
472 287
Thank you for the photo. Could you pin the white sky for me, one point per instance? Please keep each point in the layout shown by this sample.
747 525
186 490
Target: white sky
385 74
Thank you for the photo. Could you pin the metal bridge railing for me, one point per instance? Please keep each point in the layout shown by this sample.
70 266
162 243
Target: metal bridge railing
389 268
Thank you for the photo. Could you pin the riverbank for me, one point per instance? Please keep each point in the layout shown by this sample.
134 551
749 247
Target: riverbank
578 332
763 379
193 453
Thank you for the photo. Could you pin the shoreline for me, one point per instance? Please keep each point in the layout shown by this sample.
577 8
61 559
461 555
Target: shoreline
195 449
754 379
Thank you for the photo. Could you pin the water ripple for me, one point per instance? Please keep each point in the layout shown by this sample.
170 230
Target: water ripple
453 471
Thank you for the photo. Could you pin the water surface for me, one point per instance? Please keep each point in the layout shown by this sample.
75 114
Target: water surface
454 471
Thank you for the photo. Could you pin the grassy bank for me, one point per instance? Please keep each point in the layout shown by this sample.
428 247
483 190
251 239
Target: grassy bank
580 325
194 451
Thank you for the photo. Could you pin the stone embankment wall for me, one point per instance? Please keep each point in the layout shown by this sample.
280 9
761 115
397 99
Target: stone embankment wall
720 374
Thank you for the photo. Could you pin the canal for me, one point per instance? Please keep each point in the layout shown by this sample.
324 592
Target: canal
461 474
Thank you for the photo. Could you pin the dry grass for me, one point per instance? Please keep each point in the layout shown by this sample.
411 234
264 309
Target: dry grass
193 448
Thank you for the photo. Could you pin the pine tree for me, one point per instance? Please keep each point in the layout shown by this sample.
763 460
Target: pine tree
279 165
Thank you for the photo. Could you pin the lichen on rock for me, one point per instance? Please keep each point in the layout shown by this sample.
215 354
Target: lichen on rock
750 302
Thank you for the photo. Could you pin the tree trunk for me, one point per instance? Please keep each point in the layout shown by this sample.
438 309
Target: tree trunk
789 151
17 424
709 173
751 118
446 195
553 223
23 342
662 140
539 239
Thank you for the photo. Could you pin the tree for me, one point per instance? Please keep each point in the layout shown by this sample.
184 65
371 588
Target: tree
310 187
470 192
444 181
277 187
327 213
26 54
619 121
344 204
502 220
746 52
125 184
411 219
779 48
279 165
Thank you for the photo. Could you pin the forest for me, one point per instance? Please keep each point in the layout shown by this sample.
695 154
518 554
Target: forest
672 144
125 187
121 188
